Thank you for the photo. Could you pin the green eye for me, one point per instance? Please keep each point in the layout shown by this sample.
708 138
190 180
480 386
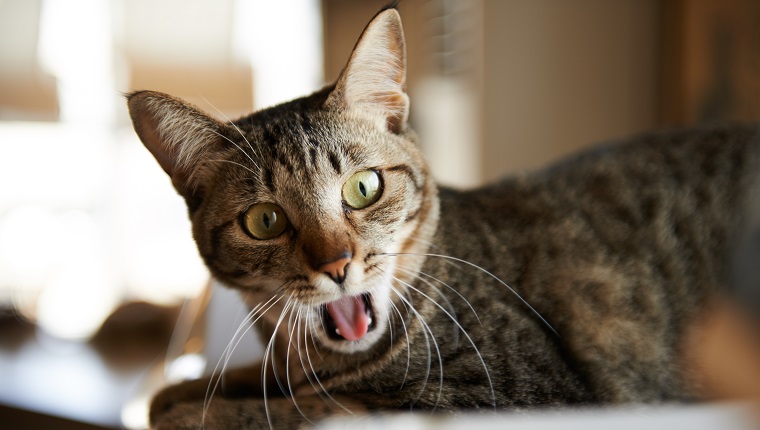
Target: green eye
362 189
265 221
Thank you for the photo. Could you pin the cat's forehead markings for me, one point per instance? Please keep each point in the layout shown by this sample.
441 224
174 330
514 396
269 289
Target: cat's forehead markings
269 179
306 128
335 162
254 188
355 153
271 132
313 157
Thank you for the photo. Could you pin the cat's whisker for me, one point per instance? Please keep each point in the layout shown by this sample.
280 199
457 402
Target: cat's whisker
496 278
389 316
251 319
438 352
434 288
452 289
283 317
314 341
322 391
462 329
293 322
269 352
406 332
308 372
408 345
428 332
302 342
267 357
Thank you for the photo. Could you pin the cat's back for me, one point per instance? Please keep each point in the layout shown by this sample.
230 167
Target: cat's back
617 248
687 183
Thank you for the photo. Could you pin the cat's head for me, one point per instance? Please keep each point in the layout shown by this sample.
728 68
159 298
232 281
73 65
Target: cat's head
321 201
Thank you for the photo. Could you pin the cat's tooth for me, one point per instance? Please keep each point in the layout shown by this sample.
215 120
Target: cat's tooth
369 322
337 331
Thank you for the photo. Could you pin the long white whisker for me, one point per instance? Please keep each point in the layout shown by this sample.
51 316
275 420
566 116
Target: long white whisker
316 377
264 384
227 353
251 319
302 342
408 346
427 338
311 334
437 350
293 322
285 310
390 327
438 290
452 289
448 257
459 326
406 334
269 351
434 288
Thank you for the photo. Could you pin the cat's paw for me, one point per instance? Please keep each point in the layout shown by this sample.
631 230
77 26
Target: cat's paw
251 414
223 414
172 396
183 416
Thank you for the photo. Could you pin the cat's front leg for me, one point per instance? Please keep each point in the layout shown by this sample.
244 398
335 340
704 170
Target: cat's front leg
243 382
254 413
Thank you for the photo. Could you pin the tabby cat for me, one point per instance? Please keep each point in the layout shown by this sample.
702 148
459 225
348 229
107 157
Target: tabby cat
379 290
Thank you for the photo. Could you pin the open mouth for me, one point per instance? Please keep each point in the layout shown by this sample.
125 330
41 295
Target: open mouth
349 318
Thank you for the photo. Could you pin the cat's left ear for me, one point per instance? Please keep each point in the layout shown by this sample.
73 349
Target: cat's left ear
374 80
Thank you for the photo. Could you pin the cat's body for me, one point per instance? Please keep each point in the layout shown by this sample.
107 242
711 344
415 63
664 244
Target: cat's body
618 249
574 285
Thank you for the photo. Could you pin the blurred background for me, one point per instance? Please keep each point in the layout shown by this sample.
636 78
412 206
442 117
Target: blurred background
89 222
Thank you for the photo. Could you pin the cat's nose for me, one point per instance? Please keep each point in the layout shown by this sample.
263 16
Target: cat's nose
336 269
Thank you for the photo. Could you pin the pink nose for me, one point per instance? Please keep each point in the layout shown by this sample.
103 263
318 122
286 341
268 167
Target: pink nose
336 269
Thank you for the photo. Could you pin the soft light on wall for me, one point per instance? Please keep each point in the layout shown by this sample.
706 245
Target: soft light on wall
87 218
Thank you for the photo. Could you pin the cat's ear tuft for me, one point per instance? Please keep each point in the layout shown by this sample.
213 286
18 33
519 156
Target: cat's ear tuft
178 134
374 80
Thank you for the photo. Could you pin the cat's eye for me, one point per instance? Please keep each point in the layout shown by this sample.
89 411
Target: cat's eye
362 189
265 221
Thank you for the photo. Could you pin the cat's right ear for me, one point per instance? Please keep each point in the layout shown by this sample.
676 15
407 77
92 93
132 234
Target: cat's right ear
178 135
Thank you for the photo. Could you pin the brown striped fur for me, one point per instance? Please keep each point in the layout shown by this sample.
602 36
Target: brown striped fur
614 253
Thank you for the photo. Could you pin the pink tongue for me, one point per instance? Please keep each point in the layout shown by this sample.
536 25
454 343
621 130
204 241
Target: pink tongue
350 316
